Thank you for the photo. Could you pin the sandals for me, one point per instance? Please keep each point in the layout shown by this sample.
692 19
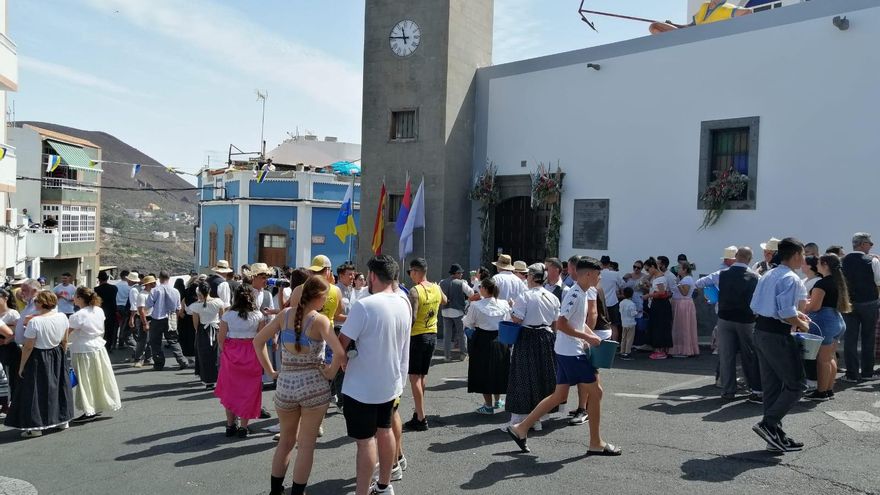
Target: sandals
520 442
607 450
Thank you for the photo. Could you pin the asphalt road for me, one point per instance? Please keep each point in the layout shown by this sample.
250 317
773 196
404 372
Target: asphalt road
677 436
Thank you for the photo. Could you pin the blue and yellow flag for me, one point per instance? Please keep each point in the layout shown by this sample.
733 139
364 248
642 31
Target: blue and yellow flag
52 162
263 172
2 152
345 221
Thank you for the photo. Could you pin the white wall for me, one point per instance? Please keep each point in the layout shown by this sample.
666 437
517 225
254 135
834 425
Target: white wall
28 151
631 132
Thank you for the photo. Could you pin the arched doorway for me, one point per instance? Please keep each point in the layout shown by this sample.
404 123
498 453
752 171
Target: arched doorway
520 230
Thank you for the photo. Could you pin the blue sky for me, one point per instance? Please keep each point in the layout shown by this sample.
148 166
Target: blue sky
177 78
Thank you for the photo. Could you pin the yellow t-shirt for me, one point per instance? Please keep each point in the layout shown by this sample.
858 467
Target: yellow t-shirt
722 12
332 303
429 308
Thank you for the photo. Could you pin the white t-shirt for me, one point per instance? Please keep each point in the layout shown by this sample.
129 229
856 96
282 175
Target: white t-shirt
142 297
65 297
284 293
133 298
611 282
509 286
536 307
224 293
89 325
11 316
689 281
574 309
380 326
47 330
208 312
241 328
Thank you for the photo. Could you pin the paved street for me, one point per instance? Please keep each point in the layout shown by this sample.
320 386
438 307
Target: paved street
675 433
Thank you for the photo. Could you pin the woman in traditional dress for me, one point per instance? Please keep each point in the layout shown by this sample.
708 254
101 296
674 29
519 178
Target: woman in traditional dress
685 342
489 362
660 322
206 319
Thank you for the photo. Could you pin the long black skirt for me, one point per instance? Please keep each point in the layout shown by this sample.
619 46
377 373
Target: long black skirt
532 370
42 398
488 364
660 324
206 353
186 335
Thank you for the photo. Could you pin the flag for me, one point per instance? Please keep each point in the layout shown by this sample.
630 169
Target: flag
52 163
404 208
414 220
92 163
171 170
2 152
135 168
263 172
345 221
379 229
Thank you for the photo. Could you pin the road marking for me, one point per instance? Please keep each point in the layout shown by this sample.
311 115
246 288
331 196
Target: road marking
659 396
12 486
862 421
877 404
682 385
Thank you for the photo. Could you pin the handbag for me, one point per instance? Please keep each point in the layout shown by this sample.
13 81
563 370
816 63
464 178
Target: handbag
72 375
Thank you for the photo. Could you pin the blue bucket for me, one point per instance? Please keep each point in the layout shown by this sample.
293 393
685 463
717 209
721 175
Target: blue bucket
469 332
711 294
508 332
603 356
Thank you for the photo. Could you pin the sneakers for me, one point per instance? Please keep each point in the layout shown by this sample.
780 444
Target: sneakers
626 356
63 426
396 472
374 489
274 428
537 426
402 462
264 413
789 444
580 417
276 437
755 398
415 425
769 435
485 410
138 364
231 430
818 396
499 404
243 432
658 355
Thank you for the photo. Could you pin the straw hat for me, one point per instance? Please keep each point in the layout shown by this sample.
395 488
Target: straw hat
149 279
729 253
320 263
17 280
771 245
222 267
261 269
133 277
520 267
503 262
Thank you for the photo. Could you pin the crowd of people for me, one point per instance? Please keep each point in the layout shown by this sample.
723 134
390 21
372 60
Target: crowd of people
355 340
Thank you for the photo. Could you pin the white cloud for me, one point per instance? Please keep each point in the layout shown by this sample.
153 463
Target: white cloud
245 48
72 76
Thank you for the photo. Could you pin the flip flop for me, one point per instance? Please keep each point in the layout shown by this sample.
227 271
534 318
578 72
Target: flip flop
521 442
608 450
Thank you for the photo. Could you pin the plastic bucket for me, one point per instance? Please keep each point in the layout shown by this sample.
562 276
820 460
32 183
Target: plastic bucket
603 356
508 332
469 332
809 343
711 294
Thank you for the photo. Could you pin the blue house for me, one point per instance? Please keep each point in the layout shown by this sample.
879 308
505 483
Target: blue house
283 221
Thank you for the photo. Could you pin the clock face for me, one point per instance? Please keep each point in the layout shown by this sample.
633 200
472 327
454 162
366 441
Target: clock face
405 38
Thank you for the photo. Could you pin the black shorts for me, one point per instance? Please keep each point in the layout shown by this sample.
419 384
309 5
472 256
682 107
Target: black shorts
421 350
362 420
614 315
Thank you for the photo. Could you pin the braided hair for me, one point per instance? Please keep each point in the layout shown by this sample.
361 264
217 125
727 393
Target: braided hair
315 287
204 289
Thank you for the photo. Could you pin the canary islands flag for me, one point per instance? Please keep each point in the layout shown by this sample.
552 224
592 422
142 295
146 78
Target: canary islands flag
345 221
52 163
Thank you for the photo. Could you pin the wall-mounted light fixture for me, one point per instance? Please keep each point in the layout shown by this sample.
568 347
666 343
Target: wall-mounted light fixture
841 23
594 66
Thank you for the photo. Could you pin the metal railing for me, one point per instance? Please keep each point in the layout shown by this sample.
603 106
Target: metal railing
68 184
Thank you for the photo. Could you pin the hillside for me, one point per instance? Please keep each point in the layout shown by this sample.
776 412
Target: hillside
132 243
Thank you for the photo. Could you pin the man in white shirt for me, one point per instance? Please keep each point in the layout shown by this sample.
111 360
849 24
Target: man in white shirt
611 283
509 285
65 292
138 321
123 288
380 326
219 283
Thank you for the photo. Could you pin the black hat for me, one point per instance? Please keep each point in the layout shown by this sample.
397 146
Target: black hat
605 260
455 268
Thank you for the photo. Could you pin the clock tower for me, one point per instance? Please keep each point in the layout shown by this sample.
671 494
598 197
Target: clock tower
420 62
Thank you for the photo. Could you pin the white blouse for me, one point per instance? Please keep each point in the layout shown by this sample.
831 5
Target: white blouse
88 334
536 307
242 328
47 330
209 313
485 314
689 281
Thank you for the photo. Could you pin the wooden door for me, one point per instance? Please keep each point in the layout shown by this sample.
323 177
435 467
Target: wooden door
521 231
273 249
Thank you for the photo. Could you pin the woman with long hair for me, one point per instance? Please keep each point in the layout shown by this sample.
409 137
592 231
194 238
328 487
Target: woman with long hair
206 319
828 299
685 342
660 321
42 399
97 390
489 362
239 381
302 392
811 271
185 329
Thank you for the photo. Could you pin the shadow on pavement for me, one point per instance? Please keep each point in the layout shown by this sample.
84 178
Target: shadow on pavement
333 487
521 466
469 419
491 437
226 454
714 409
448 385
704 364
726 468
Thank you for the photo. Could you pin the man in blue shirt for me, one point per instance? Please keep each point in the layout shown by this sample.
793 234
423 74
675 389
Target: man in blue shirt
776 303
164 300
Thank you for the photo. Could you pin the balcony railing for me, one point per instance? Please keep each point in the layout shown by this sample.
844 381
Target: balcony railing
68 184
42 243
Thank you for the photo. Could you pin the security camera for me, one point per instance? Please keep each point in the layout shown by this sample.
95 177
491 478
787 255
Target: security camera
841 23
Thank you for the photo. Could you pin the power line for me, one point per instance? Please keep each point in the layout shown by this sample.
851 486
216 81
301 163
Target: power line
118 188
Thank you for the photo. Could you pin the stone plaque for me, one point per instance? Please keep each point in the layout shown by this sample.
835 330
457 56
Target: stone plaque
590 224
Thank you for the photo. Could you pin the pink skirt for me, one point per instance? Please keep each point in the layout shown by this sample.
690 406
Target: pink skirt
240 380
684 328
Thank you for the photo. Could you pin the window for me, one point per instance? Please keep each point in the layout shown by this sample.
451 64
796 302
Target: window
404 125
274 241
76 223
227 243
394 201
212 246
731 143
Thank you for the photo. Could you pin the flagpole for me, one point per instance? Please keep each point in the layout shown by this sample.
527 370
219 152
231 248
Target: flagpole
424 228
351 237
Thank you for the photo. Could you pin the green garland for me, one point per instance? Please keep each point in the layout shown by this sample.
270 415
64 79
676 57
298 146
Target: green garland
485 190
547 190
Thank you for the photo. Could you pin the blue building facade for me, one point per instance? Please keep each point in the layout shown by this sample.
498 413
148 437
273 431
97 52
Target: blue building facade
283 221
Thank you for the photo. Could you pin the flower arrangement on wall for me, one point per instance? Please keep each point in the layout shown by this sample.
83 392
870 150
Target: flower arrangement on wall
546 191
485 191
729 185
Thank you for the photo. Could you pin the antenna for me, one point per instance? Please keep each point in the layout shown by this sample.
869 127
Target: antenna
262 95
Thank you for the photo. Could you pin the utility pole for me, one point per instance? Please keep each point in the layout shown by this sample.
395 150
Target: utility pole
262 95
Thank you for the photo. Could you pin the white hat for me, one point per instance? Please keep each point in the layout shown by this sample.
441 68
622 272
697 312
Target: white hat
260 269
133 277
503 262
520 267
730 253
771 245
18 280
222 267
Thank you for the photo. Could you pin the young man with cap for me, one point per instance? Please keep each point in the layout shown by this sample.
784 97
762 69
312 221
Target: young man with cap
426 298
778 296
164 304
457 292
509 285
332 309
862 272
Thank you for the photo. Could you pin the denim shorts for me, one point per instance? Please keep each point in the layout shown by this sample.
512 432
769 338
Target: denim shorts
830 324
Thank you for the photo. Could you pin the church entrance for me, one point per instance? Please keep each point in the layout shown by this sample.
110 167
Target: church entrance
520 230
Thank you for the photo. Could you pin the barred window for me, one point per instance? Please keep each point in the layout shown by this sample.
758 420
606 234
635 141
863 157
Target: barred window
404 125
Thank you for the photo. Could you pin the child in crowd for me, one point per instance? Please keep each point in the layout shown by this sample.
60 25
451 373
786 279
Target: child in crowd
628 315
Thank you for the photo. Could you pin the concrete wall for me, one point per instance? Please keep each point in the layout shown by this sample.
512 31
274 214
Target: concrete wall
323 225
334 192
271 219
219 215
28 151
274 189
631 132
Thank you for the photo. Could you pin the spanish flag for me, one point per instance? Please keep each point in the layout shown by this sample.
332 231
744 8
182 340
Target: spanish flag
345 221
379 229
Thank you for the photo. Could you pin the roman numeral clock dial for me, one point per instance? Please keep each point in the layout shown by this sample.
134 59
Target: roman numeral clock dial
405 37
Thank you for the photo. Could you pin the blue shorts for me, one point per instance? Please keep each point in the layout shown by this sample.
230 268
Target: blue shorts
572 370
830 325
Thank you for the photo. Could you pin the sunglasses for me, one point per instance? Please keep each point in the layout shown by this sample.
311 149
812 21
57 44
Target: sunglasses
637 267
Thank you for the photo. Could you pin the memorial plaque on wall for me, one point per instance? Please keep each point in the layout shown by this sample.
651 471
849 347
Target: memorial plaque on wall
590 224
